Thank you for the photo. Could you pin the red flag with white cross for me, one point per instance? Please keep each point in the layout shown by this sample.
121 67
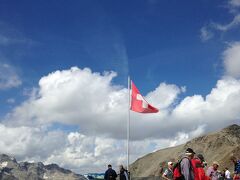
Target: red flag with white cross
138 103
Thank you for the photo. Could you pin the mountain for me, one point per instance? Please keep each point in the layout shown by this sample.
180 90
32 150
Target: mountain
216 146
10 169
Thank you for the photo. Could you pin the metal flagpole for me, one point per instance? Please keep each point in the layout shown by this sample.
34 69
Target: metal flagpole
128 122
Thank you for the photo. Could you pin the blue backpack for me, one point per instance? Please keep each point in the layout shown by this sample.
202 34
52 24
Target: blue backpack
237 167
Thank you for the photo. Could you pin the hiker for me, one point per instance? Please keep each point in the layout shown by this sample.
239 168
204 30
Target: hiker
168 173
236 163
212 171
198 167
161 169
227 174
110 174
123 173
183 168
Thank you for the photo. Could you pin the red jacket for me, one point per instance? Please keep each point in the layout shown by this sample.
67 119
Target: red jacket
199 173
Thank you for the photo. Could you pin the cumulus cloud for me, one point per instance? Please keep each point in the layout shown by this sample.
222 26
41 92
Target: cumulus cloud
8 77
74 150
231 57
30 143
89 100
98 107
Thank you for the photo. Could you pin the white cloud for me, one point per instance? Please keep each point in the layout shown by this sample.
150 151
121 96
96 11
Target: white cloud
8 77
235 22
217 109
205 34
33 143
231 60
234 3
90 101
164 95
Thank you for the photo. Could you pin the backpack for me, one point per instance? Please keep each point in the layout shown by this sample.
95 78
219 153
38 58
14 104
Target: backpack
177 174
237 167
111 175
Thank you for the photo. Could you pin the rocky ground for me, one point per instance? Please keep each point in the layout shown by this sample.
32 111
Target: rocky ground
216 146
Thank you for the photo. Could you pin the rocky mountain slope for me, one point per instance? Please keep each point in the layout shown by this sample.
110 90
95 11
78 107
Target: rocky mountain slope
10 169
216 146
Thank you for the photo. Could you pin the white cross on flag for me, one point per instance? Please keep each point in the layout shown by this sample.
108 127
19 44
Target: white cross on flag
138 103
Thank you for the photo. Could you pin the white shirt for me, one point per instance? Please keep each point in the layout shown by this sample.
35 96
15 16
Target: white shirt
227 174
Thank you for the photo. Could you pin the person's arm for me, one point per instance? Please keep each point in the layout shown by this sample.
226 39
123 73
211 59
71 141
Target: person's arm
126 175
105 175
164 175
115 174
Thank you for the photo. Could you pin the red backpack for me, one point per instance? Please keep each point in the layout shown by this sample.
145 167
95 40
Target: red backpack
177 174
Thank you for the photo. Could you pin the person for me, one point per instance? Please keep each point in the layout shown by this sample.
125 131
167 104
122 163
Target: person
161 169
236 163
110 173
123 173
198 167
227 174
212 171
168 173
186 165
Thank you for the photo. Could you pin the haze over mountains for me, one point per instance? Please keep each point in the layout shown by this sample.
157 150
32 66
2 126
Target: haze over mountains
10 169
215 146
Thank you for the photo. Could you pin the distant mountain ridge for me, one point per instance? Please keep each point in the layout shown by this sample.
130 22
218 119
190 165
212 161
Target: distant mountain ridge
215 146
10 169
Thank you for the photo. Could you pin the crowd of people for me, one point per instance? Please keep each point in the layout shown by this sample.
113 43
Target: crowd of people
190 166
193 166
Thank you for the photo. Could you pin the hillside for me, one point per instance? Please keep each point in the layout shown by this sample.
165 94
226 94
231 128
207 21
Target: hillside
12 170
216 146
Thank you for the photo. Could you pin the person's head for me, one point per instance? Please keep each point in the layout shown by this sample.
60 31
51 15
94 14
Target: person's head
215 165
233 159
121 167
109 166
170 164
200 157
190 153
226 168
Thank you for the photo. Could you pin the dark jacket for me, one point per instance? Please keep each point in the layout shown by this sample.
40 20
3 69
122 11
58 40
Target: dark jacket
123 174
110 174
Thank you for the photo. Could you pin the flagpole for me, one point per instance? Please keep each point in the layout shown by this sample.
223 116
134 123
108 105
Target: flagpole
128 122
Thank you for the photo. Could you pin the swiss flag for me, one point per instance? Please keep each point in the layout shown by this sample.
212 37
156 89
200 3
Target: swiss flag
138 103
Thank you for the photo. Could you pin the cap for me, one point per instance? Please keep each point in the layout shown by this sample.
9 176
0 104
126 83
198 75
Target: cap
189 151
170 163
215 162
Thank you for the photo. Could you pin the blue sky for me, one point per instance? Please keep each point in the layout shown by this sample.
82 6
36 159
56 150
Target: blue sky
178 50
159 40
